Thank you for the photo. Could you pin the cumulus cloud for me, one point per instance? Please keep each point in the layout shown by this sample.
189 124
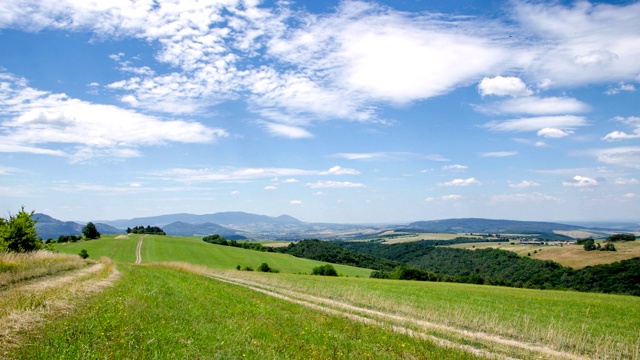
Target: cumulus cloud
524 184
503 86
334 184
452 197
562 122
455 167
286 131
554 133
633 122
460 182
337 170
581 181
228 174
622 156
41 122
389 155
271 187
295 202
620 88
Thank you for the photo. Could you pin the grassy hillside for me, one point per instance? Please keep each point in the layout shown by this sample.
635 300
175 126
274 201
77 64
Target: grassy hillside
194 317
195 251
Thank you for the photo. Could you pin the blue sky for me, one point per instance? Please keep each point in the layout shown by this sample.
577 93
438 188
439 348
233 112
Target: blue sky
335 111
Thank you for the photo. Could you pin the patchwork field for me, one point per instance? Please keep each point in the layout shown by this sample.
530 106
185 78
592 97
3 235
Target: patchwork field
569 255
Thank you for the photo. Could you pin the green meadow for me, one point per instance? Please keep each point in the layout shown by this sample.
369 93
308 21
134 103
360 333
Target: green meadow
164 310
193 250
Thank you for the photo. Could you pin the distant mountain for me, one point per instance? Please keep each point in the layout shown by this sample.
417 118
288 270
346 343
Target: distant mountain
229 219
475 225
48 227
180 228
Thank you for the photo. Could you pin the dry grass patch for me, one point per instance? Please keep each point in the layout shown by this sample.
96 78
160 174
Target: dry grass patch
23 307
16 267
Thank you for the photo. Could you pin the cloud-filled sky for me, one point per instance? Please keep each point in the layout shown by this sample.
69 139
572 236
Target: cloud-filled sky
329 111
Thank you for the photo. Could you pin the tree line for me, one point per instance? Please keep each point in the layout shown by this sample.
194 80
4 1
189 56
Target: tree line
149 230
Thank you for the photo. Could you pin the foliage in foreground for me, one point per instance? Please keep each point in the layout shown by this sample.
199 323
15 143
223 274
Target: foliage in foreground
18 233
222 321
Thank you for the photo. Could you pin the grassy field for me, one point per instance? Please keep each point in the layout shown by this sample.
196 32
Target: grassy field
594 325
159 310
16 267
195 251
160 313
571 255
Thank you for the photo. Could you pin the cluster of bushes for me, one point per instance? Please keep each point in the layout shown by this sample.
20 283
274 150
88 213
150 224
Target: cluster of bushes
621 237
219 240
65 238
324 270
264 267
589 245
149 230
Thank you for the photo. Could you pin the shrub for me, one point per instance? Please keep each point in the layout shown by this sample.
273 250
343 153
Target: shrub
325 270
83 254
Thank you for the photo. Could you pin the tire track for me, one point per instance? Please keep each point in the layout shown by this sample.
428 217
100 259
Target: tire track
139 251
405 325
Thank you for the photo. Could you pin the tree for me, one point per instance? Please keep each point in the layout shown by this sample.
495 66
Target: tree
90 231
19 234
83 254
325 270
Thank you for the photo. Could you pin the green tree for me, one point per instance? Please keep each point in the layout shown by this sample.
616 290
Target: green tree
19 234
325 270
83 254
90 231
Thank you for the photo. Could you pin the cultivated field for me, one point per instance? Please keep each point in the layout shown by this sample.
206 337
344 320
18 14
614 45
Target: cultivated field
186 301
569 255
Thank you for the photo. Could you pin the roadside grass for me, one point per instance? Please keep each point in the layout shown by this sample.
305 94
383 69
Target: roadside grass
569 255
586 324
25 306
160 313
195 251
120 250
16 267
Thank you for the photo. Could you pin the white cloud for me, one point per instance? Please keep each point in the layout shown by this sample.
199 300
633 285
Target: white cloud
452 197
390 155
271 187
286 131
621 87
337 170
523 198
334 184
533 105
554 133
290 181
228 174
295 202
632 121
630 181
54 124
455 167
461 182
630 196
524 184
581 181
562 122
503 86
499 154
582 43
235 192
622 156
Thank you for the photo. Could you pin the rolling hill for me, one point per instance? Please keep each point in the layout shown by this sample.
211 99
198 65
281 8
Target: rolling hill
488 226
